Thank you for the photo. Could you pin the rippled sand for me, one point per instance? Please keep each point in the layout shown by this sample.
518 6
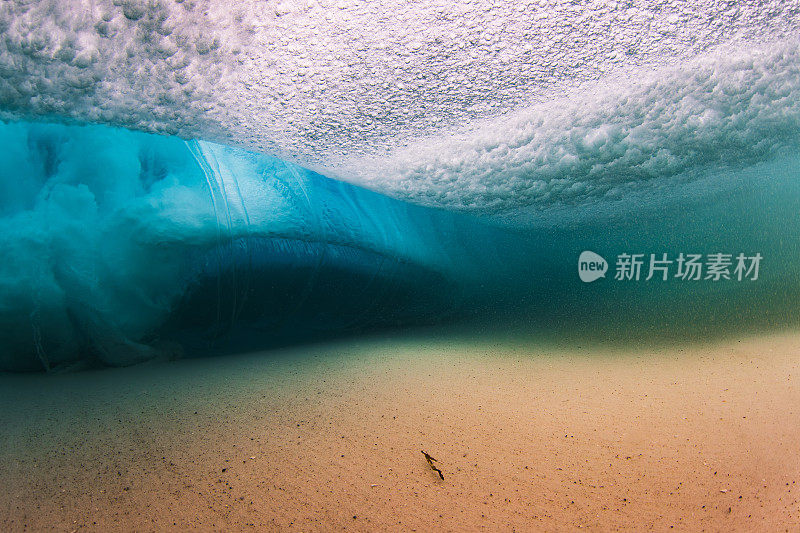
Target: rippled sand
329 437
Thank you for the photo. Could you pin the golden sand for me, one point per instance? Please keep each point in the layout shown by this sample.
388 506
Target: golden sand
329 437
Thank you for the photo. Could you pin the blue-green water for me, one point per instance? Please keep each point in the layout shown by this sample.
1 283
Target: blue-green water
121 247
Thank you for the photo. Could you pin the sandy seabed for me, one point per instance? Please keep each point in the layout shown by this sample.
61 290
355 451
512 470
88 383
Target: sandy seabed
329 437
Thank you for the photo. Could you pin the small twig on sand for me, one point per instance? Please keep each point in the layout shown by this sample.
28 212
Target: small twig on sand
431 460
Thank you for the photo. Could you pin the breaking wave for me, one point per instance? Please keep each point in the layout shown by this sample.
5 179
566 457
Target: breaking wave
193 176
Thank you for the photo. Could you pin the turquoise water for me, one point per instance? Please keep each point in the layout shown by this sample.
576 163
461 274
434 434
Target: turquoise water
123 247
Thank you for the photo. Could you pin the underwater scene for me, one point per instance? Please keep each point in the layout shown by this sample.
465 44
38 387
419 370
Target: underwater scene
313 265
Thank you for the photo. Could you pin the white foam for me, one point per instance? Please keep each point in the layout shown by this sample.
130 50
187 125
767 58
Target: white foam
551 101
726 110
